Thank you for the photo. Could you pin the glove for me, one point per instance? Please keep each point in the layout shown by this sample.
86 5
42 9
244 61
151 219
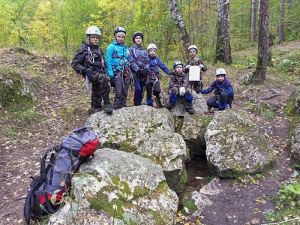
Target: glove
101 77
142 73
112 81
93 77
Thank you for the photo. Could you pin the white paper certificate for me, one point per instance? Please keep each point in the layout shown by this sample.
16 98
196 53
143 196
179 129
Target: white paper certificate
194 73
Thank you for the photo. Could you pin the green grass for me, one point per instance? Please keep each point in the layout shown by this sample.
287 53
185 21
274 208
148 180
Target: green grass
262 109
287 202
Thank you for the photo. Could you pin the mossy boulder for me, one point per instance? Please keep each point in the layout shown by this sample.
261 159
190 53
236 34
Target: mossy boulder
15 89
295 101
147 132
123 186
235 147
295 144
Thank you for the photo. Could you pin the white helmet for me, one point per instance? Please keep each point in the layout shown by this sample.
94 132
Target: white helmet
193 47
220 71
151 46
93 30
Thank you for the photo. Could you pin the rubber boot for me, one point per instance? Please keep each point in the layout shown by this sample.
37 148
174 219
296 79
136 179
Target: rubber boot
108 108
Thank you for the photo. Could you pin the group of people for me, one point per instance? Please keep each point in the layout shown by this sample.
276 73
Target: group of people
136 66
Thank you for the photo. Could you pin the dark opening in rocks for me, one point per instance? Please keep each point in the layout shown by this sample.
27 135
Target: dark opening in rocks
198 173
198 176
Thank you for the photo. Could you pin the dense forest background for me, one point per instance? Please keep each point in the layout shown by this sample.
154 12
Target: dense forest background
58 26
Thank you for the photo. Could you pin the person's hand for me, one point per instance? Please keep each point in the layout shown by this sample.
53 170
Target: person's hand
101 77
187 66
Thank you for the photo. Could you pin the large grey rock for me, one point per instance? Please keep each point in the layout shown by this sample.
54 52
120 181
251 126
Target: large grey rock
121 187
148 132
295 144
295 102
235 147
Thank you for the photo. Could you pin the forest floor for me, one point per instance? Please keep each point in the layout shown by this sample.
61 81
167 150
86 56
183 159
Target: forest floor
61 106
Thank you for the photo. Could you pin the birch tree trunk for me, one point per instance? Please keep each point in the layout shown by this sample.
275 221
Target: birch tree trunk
223 49
176 15
253 21
281 37
259 75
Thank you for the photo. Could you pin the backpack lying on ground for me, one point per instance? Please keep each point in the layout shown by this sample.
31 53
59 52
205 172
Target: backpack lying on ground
57 165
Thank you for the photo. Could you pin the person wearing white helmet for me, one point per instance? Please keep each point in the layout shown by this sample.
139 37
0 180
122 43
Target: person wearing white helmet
153 83
90 63
223 91
193 60
139 65
117 61
179 86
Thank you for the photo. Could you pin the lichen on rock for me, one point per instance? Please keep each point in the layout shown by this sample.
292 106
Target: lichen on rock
234 146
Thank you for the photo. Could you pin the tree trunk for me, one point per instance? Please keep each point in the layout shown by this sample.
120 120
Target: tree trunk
281 37
223 49
264 53
176 15
290 4
253 20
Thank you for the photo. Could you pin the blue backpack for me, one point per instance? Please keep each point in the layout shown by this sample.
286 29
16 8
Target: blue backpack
47 190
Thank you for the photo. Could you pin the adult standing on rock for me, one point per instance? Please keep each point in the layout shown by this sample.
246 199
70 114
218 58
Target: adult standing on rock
90 63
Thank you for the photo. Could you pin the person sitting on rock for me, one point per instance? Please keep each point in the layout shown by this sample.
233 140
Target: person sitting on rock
89 62
195 61
223 91
139 65
179 86
117 60
153 83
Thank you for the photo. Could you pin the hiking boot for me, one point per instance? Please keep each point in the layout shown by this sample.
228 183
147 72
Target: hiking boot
189 107
170 106
158 103
95 110
108 108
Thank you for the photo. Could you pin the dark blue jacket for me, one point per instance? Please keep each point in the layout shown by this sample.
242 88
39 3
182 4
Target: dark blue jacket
219 87
155 64
139 59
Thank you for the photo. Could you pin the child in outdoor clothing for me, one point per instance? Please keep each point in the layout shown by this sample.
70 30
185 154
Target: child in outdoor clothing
153 83
223 91
139 65
195 61
89 62
179 86
117 60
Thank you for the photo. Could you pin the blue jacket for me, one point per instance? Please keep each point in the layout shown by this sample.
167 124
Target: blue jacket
116 58
155 64
219 87
139 59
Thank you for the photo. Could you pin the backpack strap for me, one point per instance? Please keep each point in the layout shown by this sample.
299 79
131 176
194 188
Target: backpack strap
43 168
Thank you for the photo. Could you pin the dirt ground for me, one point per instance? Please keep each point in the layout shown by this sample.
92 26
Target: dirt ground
63 106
